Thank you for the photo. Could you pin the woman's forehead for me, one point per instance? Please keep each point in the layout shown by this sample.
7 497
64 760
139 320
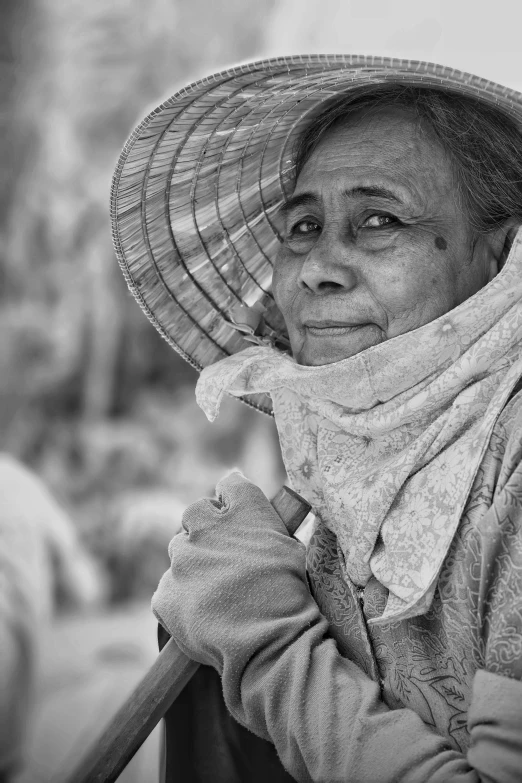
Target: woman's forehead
384 151
386 132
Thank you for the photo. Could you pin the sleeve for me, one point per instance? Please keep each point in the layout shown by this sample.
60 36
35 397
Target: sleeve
328 723
236 598
495 722
325 716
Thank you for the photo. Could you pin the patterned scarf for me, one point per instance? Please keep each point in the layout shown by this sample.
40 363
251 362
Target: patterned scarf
386 444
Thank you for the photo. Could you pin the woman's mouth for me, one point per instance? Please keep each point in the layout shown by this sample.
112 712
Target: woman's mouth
329 329
324 342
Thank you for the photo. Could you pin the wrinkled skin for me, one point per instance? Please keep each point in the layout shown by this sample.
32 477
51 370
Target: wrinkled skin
358 266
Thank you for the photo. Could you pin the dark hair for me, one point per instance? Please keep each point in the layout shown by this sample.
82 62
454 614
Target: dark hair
484 144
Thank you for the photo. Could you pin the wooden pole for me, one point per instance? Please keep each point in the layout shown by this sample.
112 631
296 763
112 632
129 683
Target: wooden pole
162 684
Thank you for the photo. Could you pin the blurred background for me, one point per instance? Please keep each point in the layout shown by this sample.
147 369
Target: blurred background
102 442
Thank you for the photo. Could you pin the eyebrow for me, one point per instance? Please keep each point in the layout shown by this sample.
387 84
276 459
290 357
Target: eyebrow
303 200
377 191
311 200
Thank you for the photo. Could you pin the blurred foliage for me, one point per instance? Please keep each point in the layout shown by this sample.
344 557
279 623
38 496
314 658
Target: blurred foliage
90 396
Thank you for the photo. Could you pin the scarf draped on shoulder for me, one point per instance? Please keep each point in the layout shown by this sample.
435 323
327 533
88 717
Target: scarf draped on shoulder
386 444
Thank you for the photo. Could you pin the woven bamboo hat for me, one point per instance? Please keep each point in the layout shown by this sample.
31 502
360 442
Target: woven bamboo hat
198 185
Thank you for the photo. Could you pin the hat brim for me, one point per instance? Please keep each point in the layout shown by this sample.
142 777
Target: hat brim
198 185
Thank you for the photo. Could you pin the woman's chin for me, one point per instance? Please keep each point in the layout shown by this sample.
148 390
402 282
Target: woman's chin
316 350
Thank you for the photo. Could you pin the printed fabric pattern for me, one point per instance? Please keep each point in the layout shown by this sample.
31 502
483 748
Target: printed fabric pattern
386 445
427 663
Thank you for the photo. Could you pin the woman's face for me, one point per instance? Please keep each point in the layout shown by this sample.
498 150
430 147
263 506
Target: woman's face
375 242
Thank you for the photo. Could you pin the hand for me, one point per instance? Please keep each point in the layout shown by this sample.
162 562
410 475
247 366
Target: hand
236 598
237 583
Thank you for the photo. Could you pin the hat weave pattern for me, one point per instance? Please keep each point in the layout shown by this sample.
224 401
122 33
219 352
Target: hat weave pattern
197 189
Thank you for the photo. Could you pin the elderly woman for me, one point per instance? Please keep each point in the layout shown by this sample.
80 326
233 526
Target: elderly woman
387 195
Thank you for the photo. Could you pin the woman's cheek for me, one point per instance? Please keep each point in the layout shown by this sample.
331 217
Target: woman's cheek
285 289
284 284
414 300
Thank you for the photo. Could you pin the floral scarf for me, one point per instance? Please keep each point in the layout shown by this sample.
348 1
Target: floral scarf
386 444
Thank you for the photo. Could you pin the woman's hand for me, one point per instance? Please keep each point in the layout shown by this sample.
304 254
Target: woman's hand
236 598
237 581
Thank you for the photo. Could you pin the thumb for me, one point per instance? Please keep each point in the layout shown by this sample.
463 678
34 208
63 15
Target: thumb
235 489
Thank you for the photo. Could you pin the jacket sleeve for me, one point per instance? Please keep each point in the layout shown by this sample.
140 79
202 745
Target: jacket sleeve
328 724
236 598
325 716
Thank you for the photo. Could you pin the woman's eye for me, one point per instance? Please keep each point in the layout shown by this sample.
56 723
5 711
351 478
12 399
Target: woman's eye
379 221
305 227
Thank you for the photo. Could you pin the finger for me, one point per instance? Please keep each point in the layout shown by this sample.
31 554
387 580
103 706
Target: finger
206 511
238 494
200 514
235 489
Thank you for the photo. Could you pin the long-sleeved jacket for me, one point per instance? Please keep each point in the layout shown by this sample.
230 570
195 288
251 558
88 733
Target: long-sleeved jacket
432 699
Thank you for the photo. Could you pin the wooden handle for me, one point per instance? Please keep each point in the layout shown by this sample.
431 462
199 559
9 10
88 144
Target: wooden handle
159 688
292 508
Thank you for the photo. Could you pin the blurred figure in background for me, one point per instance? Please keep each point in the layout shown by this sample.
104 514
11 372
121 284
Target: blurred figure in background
42 566
67 661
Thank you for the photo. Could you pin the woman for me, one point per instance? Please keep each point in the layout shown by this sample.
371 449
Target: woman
388 196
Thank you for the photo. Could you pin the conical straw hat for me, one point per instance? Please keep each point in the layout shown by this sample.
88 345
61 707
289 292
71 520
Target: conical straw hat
197 188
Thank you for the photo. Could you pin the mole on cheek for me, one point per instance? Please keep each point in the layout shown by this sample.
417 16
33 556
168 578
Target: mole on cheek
440 243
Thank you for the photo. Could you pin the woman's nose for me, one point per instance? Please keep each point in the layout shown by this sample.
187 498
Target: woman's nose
327 269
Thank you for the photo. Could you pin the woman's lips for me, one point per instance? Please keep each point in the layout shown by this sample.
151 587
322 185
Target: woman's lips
331 329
